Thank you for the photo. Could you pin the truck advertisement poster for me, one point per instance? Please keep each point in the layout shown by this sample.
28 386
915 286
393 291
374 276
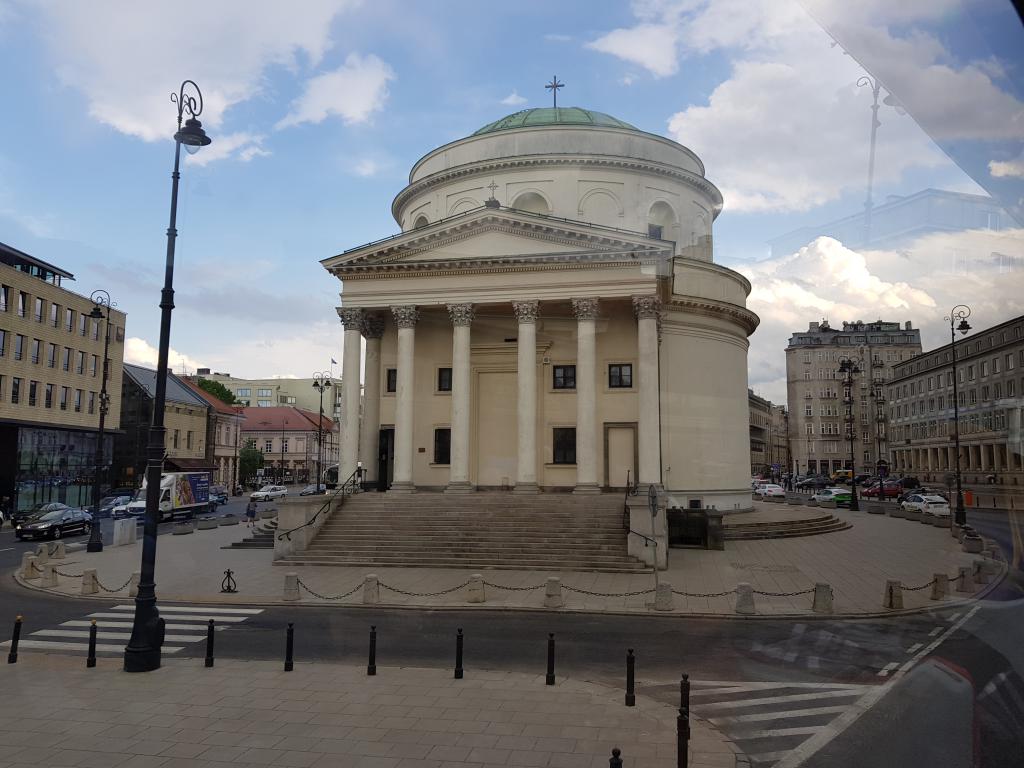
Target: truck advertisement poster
190 489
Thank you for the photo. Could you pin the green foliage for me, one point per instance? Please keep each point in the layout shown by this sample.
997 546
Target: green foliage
218 390
249 460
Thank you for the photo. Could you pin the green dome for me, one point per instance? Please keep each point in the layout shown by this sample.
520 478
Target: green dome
526 118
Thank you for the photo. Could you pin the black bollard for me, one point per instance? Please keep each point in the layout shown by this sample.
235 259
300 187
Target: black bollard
630 675
289 648
90 660
615 761
209 644
683 724
550 677
458 655
371 665
12 657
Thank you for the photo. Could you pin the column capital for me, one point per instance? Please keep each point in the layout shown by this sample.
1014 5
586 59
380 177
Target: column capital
647 307
585 309
526 311
351 317
373 325
406 315
461 314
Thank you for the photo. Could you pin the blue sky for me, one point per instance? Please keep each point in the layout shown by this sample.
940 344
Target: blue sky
318 109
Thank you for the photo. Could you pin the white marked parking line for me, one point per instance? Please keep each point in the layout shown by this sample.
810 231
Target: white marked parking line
763 686
934 632
128 625
767 757
196 609
915 648
177 617
776 732
953 618
888 669
52 645
112 635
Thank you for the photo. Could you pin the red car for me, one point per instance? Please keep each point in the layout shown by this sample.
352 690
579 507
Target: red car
889 491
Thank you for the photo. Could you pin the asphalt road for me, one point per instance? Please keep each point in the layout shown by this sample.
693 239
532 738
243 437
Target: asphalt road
771 685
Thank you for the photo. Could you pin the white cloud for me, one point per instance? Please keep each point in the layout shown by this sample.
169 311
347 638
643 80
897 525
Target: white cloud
140 352
826 280
366 167
652 46
513 99
352 92
556 38
126 57
244 146
1004 168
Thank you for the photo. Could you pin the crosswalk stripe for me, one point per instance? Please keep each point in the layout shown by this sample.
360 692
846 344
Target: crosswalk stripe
196 609
783 715
768 757
177 617
128 625
738 703
112 635
765 686
777 732
52 645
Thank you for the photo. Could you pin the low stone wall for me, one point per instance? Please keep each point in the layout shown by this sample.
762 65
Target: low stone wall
293 513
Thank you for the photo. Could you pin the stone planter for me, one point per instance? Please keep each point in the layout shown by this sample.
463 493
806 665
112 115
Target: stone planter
229 520
942 522
180 529
827 504
207 523
268 514
874 508
912 514
895 510
794 500
810 503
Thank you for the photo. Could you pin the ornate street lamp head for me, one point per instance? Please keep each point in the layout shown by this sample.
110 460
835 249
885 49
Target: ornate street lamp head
963 327
191 136
100 299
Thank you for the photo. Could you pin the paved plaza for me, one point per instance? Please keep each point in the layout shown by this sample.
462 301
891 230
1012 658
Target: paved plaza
855 562
56 713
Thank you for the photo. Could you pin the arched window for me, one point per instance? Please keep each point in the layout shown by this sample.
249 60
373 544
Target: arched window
661 220
421 221
531 202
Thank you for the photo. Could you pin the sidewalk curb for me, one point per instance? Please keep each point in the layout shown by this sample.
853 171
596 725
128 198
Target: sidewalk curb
262 603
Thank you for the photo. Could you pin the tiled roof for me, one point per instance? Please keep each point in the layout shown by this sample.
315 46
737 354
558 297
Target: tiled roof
214 402
177 392
282 419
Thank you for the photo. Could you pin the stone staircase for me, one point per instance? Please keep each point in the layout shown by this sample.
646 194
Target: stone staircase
478 530
262 536
783 529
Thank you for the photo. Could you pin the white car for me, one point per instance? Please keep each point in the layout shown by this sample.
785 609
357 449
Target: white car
269 492
927 504
838 495
769 489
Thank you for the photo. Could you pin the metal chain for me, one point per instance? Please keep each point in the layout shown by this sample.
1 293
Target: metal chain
608 594
423 594
314 593
917 589
68 575
513 589
783 594
703 594
100 585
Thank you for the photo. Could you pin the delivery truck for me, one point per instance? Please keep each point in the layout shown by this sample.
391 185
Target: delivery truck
182 495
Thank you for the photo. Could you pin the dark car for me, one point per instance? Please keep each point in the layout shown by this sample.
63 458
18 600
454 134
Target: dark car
817 481
55 524
107 504
219 494
46 506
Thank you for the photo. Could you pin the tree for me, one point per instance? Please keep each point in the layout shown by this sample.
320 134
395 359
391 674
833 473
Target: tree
218 390
249 460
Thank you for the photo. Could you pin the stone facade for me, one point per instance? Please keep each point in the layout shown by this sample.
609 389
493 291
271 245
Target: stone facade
814 386
990 390
287 437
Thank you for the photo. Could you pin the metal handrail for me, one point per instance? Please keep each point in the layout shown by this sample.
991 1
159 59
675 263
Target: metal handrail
345 489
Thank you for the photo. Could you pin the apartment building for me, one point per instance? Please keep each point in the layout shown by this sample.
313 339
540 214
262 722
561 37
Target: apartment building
769 436
51 377
288 438
989 372
818 408
272 393
223 436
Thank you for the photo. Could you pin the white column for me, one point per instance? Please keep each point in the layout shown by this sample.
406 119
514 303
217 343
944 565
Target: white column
352 320
647 309
405 319
369 435
462 319
586 395
526 468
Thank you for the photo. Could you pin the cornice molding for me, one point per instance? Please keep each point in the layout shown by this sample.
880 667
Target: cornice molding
711 308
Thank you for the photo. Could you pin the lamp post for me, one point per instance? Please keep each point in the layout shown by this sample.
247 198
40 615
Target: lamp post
959 313
142 654
281 476
321 382
876 87
100 299
848 367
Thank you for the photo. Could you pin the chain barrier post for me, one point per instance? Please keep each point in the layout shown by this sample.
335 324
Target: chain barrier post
90 660
12 657
683 724
630 678
209 644
615 761
289 648
371 665
550 677
458 655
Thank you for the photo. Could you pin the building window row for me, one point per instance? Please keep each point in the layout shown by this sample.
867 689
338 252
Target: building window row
55 355
27 391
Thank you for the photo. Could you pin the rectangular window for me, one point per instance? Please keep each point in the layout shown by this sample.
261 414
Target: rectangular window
95 330
65 360
1011 389
244 392
64 392
995 365
654 231
268 446
80 362
15 390
174 438
264 393
3 342
78 401
38 310
83 321
69 319
984 368
808 410
54 314
93 365
33 389
92 402
48 396
984 393
391 380
51 355
444 379
264 403
3 298
120 333
563 377
36 344
442 445
564 445
19 347
620 376
284 445
188 440
809 429
970 373
974 397
22 303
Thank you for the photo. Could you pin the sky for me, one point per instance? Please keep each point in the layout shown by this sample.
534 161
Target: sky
318 110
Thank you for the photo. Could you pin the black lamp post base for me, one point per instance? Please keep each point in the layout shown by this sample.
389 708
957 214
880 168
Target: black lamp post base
141 659
94 546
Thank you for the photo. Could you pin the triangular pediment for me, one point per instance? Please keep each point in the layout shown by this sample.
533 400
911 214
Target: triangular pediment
498 236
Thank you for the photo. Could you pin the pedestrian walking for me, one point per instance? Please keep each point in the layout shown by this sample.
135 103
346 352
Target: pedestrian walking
250 513
5 511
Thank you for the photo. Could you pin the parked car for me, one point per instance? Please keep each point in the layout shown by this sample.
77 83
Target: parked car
218 494
769 489
109 503
313 489
927 504
841 496
861 479
890 490
54 524
269 492
47 506
813 481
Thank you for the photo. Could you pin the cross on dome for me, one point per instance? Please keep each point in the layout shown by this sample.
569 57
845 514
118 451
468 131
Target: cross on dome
553 86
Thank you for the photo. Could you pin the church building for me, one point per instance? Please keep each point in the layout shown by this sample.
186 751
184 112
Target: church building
549 319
